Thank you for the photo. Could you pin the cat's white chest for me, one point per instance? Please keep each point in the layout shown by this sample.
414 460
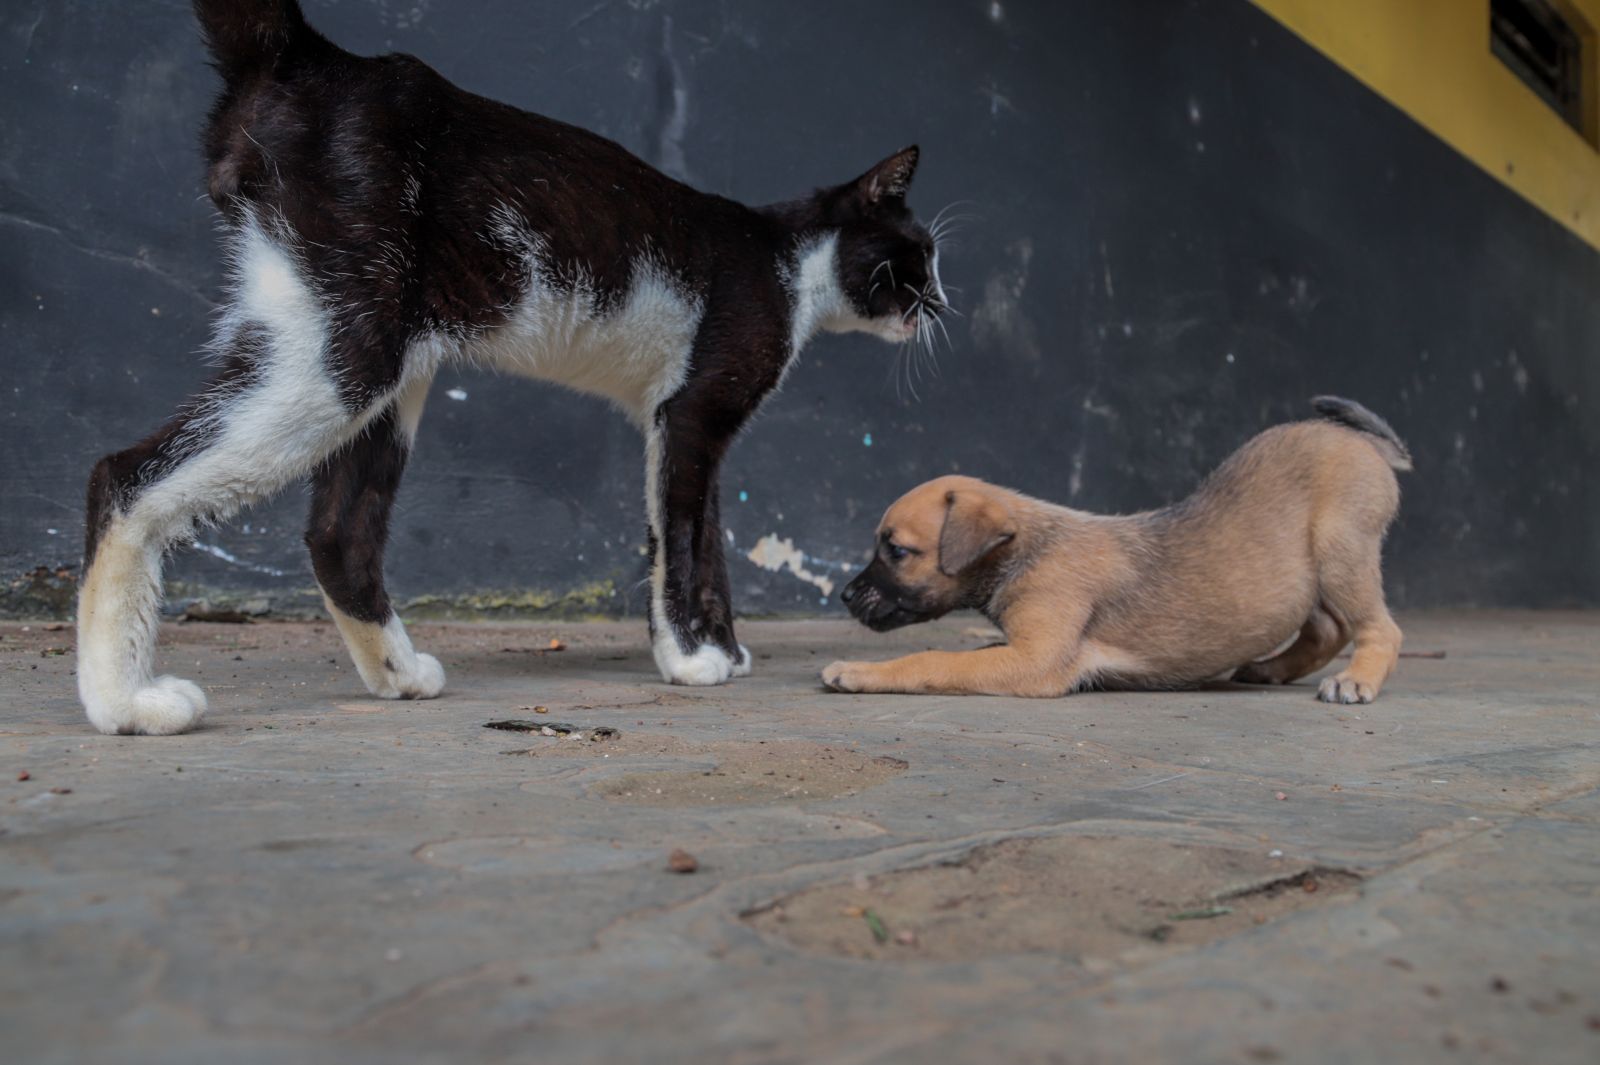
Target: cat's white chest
634 353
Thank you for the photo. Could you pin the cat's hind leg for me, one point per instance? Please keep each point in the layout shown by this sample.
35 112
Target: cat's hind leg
274 414
352 494
145 499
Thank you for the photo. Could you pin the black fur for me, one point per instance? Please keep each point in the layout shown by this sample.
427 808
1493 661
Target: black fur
382 179
1348 412
349 522
878 599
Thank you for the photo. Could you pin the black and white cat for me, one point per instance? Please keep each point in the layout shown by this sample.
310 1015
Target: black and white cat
382 222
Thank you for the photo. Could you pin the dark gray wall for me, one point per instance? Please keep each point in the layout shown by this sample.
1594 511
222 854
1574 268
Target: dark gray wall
1185 222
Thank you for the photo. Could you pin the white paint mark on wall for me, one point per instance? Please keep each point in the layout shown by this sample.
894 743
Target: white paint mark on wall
999 319
457 394
775 554
233 560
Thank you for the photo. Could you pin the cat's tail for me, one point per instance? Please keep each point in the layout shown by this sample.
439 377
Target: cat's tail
1349 413
245 36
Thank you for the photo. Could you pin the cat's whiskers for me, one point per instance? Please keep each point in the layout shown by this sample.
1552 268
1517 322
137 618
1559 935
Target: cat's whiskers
900 371
925 306
872 279
941 223
941 229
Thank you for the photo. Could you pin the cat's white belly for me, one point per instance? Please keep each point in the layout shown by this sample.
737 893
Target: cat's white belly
636 355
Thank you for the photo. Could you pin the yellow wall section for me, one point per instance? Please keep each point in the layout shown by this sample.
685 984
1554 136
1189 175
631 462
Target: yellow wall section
1431 59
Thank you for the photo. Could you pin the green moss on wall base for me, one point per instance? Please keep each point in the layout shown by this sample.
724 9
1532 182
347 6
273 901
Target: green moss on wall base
51 594
595 599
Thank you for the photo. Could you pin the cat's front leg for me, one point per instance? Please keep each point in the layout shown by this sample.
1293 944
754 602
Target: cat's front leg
691 612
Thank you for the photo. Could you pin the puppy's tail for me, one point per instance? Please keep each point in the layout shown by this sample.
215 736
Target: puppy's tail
245 36
1349 413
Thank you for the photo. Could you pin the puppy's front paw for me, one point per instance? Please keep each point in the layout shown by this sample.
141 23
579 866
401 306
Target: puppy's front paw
1345 688
845 676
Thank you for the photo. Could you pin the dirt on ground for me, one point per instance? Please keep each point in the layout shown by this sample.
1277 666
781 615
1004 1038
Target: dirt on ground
741 773
1090 898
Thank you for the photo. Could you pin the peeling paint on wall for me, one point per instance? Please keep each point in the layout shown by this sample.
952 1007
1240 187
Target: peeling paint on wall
999 319
774 554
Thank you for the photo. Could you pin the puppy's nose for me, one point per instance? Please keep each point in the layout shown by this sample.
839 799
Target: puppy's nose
849 592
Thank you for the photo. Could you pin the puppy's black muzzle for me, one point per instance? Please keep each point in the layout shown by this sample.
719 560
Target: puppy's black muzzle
878 603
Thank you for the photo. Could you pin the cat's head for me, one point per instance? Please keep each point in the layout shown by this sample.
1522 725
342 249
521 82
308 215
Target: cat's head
886 263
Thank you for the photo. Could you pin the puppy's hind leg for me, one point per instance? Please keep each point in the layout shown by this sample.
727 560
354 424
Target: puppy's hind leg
1320 639
352 494
1352 589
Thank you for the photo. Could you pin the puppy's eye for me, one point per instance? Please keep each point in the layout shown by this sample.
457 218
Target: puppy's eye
896 553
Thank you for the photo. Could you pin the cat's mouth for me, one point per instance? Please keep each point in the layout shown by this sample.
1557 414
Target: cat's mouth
897 328
918 321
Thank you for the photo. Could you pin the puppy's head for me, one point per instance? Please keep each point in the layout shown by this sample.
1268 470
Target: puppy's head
935 545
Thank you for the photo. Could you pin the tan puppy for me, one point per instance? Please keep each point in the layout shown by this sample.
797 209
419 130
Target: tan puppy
1285 536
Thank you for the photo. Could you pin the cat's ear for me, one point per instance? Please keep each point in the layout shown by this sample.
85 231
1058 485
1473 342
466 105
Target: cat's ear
889 181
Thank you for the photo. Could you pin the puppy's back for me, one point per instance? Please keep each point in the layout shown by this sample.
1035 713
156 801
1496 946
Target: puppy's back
1342 463
1228 573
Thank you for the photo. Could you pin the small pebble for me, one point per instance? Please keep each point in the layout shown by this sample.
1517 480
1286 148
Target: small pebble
681 861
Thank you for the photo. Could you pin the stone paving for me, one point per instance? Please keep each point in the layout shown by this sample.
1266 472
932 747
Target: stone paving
1230 874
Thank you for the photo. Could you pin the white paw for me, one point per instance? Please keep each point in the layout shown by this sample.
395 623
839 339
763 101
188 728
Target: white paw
742 667
164 707
421 677
708 664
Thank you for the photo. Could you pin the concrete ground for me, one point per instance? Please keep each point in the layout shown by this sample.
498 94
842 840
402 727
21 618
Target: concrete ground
1221 875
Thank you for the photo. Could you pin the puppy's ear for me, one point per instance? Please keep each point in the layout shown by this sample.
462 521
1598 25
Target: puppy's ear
975 524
